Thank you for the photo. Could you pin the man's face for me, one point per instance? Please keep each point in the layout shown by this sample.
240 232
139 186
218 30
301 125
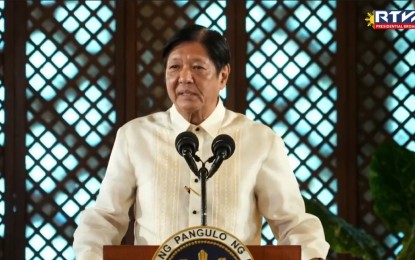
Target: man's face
192 82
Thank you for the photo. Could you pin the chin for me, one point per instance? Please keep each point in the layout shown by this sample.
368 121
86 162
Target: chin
187 108
187 103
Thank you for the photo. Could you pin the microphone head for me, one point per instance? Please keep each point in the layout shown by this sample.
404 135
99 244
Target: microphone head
187 141
224 146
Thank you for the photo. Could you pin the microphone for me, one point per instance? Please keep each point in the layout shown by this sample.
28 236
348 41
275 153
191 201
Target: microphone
186 145
223 147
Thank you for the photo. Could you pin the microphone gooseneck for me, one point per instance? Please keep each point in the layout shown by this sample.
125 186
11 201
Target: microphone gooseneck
186 145
223 147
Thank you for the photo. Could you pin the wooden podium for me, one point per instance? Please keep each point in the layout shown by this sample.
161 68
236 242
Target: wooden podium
147 252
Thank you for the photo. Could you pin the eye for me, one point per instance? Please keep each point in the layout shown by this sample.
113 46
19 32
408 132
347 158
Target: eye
174 66
198 67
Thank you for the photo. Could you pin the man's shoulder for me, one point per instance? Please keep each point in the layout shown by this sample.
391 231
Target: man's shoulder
239 118
244 123
148 121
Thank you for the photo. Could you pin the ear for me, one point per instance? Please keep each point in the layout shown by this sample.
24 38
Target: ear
224 75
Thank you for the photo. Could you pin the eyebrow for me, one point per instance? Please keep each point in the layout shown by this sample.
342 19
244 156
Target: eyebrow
192 59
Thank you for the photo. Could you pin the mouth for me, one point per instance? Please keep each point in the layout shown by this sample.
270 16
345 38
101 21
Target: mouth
186 93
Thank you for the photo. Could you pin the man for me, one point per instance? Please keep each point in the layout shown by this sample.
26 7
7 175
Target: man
145 168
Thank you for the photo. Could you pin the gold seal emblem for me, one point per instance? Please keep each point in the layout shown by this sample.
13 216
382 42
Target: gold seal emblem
202 243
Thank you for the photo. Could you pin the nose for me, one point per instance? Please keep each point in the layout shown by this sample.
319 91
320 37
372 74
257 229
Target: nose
185 76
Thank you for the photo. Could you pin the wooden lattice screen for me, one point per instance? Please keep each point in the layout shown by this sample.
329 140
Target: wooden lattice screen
82 68
2 133
70 117
386 105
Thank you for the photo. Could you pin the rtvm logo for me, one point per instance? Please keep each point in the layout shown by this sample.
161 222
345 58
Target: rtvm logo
389 19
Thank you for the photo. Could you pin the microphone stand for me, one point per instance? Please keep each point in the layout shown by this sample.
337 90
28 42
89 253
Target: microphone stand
203 174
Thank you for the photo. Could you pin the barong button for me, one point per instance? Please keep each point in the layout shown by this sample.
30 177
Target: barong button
194 212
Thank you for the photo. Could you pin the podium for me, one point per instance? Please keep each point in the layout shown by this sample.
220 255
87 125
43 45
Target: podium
147 252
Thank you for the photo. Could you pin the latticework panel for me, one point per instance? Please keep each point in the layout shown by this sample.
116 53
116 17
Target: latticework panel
70 115
386 93
2 121
290 68
157 21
